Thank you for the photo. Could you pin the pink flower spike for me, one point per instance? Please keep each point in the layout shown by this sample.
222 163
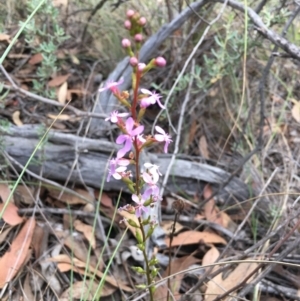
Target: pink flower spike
163 137
151 99
115 116
112 86
140 208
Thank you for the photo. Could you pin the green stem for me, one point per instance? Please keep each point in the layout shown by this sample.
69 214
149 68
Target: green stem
148 271
137 186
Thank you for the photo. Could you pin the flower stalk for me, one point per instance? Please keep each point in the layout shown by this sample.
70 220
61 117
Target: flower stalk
144 189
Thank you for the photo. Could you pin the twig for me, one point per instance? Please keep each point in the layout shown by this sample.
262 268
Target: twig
287 251
276 39
49 182
180 122
93 12
14 87
178 206
244 254
185 67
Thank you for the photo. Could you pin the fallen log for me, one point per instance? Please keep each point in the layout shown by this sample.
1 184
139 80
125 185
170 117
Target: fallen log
84 162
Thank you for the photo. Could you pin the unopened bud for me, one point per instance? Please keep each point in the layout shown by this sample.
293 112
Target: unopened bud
130 13
126 43
141 66
142 21
133 61
138 37
127 24
160 62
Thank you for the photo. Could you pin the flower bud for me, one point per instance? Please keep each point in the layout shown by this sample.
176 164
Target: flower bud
138 37
132 223
139 237
160 62
133 61
126 43
139 270
127 24
130 13
142 21
141 66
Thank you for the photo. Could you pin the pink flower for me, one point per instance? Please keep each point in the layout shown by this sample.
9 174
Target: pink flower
154 192
127 138
149 179
151 99
163 137
114 170
115 116
112 86
153 170
140 140
119 172
140 200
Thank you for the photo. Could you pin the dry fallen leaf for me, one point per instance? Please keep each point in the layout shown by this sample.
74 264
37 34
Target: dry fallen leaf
168 225
10 214
194 237
36 59
210 256
72 199
16 118
59 117
27 289
87 231
13 259
218 285
213 214
58 80
296 110
65 264
62 93
4 37
75 291
4 233
5 192
24 194
203 148
177 265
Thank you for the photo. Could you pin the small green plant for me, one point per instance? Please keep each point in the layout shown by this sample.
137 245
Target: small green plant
44 35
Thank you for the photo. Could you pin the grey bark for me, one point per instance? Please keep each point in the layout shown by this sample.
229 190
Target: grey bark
58 154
